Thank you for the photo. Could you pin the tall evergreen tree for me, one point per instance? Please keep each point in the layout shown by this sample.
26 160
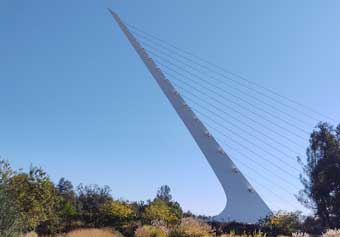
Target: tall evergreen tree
164 193
68 205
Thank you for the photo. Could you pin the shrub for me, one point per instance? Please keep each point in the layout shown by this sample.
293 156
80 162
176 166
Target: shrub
192 227
312 225
160 210
300 234
35 197
281 223
93 233
259 234
332 233
234 228
151 231
245 234
116 213
30 234
129 229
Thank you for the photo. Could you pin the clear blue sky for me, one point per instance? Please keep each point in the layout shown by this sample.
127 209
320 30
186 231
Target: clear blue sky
76 100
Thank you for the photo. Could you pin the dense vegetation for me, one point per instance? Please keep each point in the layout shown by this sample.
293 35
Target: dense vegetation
30 201
321 177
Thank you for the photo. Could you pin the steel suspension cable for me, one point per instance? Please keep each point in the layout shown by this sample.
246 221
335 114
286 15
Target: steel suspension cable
249 118
245 147
223 82
245 139
236 111
211 127
247 125
257 164
152 37
238 127
251 151
275 194
225 91
233 102
197 104
292 185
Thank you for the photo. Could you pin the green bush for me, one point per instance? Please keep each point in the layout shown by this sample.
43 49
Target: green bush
282 223
159 210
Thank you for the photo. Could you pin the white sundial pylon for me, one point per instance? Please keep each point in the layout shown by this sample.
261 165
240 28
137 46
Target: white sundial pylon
243 203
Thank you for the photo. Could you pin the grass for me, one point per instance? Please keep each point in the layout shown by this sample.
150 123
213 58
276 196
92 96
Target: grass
91 233
30 234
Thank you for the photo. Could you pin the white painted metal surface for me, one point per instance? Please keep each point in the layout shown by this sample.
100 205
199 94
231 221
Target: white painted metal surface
243 202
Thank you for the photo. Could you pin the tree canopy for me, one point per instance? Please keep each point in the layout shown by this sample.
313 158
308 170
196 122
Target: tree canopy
35 197
321 177
159 210
31 201
9 216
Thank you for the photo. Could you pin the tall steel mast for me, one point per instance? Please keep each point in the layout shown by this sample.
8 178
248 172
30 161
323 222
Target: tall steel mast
243 202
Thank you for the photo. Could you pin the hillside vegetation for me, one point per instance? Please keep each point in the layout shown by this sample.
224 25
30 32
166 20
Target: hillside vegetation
31 203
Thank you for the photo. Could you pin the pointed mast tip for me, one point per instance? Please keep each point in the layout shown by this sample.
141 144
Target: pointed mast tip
109 9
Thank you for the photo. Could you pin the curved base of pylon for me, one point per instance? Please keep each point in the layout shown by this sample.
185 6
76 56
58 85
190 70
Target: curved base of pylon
248 213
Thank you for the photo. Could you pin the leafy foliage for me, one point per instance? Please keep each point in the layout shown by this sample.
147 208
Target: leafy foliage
68 205
321 178
282 223
164 193
161 211
91 198
9 217
35 197
31 201
117 213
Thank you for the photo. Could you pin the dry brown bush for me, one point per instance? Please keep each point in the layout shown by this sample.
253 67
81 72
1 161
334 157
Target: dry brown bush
151 231
192 227
30 234
92 233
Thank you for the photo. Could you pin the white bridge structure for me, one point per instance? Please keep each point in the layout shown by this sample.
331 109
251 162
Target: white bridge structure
262 131
243 202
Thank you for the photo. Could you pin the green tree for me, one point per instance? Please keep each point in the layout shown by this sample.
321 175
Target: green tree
68 206
117 213
91 199
159 210
35 197
321 178
282 223
176 208
9 217
164 193
138 208
66 190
